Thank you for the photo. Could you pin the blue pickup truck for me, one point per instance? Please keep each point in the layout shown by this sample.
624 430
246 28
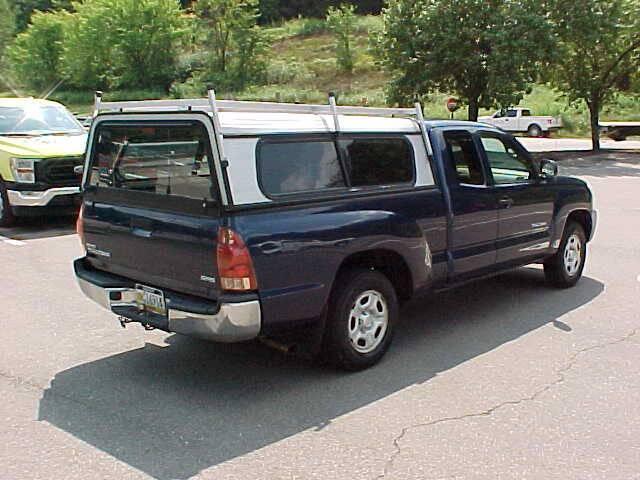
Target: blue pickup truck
231 221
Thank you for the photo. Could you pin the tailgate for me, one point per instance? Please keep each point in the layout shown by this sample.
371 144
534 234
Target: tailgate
151 204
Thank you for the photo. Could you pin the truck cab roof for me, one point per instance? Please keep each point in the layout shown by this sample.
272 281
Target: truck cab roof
431 124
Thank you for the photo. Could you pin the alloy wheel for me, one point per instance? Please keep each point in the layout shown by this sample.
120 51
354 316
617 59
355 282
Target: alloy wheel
572 255
368 321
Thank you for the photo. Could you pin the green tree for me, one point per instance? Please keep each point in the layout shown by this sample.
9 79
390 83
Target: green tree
598 54
25 8
237 45
88 44
341 22
7 25
269 11
122 43
487 52
272 10
35 54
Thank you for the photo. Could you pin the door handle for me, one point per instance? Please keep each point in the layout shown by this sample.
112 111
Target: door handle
506 202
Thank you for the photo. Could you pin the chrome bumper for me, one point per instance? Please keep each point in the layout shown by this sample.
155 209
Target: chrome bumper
234 322
38 198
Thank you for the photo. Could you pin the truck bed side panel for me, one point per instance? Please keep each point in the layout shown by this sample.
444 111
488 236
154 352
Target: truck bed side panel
297 251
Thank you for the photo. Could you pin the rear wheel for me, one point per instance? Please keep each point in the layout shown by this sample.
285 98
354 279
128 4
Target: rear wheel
534 131
362 312
6 215
564 269
617 136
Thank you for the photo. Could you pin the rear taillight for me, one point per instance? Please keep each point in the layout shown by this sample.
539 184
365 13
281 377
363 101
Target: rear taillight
80 225
235 268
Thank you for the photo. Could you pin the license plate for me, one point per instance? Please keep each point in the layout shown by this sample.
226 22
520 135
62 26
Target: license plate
151 300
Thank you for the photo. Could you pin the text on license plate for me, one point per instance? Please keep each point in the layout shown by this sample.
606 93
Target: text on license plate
151 300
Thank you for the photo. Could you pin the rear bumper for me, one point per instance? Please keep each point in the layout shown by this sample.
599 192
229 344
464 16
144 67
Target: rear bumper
25 198
220 322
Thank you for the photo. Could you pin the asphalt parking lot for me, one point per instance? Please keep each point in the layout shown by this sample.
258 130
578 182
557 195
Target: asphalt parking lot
506 378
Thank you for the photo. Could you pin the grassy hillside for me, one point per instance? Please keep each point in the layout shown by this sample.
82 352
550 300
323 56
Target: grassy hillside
303 69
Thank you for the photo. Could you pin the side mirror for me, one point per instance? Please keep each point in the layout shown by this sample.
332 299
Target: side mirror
78 170
548 168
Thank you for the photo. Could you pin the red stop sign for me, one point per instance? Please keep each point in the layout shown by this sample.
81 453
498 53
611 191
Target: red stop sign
453 104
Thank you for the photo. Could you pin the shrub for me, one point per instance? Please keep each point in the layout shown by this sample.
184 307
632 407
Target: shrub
269 11
35 53
310 26
276 9
148 38
237 45
7 25
341 21
281 72
298 27
122 43
320 66
191 88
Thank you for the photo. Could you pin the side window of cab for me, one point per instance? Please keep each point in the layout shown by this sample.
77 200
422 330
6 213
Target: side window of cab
464 158
507 162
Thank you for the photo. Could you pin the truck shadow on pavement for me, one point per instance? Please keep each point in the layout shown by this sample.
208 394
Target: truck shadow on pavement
40 227
174 411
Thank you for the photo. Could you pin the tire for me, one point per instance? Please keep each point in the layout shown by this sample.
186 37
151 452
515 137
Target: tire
356 337
563 270
6 215
534 130
617 137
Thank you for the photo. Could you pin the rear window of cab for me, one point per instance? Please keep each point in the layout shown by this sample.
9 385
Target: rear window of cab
298 166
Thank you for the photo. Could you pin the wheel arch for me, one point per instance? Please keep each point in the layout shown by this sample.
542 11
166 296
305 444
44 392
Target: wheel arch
388 262
582 217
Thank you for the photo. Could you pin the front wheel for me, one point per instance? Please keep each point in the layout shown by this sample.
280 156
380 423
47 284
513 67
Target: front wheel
362 312
6 215
564 269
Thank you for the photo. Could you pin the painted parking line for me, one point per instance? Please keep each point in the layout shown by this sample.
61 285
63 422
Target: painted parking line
11 241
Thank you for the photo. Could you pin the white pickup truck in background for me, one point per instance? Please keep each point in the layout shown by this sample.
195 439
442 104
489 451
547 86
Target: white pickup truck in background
520 120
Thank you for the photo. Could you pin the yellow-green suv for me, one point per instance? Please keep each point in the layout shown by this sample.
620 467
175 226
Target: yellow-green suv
41 144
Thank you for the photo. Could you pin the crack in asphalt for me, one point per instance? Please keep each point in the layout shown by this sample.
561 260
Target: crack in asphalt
560 373
21 381
488 412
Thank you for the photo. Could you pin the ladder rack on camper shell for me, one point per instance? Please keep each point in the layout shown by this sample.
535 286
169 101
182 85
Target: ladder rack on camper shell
211 104
214 107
